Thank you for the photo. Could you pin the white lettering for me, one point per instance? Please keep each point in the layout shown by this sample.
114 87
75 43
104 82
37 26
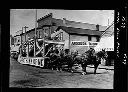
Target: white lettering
38 61
79 43
82 43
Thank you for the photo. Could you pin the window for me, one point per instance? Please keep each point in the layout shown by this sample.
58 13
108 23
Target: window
59 36
15 40
38 33
53 24
97 39
89 38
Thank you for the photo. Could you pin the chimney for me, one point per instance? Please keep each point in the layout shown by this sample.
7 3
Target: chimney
97 27
64 21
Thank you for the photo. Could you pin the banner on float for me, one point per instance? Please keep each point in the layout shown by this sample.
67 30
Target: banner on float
36 61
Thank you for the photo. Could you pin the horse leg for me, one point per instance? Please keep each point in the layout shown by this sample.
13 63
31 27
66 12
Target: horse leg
52 66
84 69
60 67
71 68
57 69
95 68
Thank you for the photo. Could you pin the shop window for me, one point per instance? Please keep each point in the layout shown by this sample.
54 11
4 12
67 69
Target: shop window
89 38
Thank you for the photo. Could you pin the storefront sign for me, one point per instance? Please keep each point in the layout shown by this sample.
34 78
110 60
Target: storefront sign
93 43
79 43
83 43
37 61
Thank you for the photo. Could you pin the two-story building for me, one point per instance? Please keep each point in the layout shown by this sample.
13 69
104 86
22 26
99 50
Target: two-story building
75 35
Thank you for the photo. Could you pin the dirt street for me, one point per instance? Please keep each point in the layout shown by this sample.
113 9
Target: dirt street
24 76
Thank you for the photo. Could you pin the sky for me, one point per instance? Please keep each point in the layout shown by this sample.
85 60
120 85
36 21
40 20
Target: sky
26 17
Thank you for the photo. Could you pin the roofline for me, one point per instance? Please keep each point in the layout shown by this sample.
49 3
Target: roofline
16 35
84 23
37 28
107 29
81 34
59 27
79 22
44 17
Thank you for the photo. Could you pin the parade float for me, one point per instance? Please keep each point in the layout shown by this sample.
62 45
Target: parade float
34 51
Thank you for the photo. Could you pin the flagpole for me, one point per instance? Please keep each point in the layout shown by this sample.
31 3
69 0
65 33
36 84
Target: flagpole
35 33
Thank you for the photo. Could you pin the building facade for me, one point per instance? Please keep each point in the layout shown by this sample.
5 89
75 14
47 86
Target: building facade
75 35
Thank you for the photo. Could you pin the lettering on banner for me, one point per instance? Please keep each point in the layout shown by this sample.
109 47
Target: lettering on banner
21 59
26 61
41 62
32 61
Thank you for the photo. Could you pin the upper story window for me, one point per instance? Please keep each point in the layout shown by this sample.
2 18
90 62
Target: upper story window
15 39
59 36
89 38
54 24
46 31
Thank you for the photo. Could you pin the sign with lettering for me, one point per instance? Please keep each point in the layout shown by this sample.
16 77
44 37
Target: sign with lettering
93 43
79 43
36 61
83 43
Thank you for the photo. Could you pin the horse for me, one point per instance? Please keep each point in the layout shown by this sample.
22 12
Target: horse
67 60
88 58
55 61
93 58
102 55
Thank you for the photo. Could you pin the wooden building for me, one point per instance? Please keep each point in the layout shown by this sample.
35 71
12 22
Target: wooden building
75 35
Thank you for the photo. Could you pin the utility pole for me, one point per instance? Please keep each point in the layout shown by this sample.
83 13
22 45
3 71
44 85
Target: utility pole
21 41
35 33
25 32
21 35
25 37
